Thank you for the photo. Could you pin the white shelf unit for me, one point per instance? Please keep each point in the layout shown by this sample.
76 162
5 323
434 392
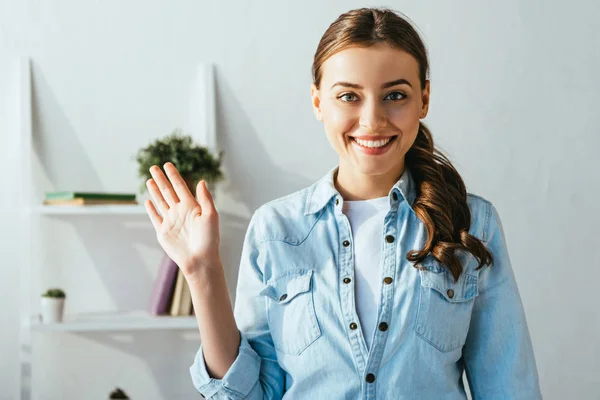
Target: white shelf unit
202 122
114 322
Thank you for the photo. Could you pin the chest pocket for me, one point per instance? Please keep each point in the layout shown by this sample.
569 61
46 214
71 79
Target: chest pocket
291 312
445 307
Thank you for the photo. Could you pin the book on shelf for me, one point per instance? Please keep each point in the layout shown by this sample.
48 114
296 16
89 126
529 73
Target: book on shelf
72 195
162 292
177 295
182 298
88 202
186 299
170 294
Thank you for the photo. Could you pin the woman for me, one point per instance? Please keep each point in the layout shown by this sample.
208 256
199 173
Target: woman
385 279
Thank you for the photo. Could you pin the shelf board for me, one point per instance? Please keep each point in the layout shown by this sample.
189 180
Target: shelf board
117 321
90 210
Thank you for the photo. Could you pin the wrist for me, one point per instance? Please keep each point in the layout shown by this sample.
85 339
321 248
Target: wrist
193 264
203 272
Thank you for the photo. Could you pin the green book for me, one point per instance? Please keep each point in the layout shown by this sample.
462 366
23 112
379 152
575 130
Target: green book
89 195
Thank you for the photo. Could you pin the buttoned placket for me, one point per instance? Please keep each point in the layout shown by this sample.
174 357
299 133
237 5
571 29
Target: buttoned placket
367 361
346 273
385 309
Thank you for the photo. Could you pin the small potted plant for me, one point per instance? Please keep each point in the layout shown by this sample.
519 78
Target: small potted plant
118 393
53 305
193 162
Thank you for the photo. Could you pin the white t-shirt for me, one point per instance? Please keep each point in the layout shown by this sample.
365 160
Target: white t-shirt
366 220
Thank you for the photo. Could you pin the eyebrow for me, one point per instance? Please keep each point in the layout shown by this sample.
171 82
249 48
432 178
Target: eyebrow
384 86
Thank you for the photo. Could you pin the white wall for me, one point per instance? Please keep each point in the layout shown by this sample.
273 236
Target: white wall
514 99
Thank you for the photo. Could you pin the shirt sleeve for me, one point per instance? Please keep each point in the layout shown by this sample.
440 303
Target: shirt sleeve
498 353
255 373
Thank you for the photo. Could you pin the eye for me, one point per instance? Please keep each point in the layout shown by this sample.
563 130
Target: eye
344 95
396 98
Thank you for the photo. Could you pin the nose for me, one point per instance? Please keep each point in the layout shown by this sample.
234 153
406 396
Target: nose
372 116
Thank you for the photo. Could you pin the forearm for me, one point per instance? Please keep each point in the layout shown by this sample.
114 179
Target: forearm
218 330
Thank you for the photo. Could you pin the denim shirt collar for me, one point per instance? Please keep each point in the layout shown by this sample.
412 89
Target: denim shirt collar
323 191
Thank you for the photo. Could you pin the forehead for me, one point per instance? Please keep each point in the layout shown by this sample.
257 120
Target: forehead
370 65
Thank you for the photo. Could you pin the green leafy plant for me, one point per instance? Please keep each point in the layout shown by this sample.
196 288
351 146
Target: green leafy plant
194 162
118 393
54 292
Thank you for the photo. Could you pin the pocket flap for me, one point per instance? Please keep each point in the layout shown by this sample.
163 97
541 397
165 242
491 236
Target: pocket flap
437 277
283 289
433 265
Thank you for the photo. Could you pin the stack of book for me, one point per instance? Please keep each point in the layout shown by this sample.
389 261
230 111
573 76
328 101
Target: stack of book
88 198
171 293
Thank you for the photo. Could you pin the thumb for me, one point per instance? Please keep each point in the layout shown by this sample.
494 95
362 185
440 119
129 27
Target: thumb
204 197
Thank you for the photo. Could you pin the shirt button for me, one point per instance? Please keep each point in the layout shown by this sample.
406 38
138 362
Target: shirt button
389 239
450 293
347 280
370 378
337 201
353 326
346 243
283 297
387 280
395 196
383 326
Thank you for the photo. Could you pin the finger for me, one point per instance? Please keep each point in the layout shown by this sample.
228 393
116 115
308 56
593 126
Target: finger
157 196
153 214
164 186
181 188
205 197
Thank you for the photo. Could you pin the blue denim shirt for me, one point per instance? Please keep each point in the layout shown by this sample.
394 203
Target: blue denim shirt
300 334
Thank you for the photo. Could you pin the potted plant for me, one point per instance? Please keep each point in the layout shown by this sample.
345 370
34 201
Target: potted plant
118 393
194 162
53 305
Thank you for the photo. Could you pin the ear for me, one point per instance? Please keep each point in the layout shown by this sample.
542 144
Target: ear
425 100
316 101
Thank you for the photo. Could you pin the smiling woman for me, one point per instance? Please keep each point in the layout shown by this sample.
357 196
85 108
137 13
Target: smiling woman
370 282
370 84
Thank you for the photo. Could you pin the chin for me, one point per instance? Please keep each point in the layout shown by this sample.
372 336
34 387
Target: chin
373 169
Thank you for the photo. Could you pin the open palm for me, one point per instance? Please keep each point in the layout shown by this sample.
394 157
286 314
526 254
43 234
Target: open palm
187 228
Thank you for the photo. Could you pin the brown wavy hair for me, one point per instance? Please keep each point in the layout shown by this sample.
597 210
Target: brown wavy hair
441 202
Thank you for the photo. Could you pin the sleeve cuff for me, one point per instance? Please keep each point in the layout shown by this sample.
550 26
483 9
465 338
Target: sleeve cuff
239 379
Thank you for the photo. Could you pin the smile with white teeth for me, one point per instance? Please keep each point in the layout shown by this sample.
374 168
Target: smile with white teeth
372 143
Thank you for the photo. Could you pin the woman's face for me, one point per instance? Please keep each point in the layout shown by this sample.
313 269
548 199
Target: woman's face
374 93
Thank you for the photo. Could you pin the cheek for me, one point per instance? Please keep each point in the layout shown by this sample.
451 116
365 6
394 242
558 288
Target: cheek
405 116
407 120
338 119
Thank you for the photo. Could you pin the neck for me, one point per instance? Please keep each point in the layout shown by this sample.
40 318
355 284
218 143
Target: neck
355 185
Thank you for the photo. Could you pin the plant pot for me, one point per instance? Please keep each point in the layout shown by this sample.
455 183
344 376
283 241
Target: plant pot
118 394
52 309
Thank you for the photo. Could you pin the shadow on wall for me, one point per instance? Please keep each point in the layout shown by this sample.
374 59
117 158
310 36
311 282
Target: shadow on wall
252 177
52 134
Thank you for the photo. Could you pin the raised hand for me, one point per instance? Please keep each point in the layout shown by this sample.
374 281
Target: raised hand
186 228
